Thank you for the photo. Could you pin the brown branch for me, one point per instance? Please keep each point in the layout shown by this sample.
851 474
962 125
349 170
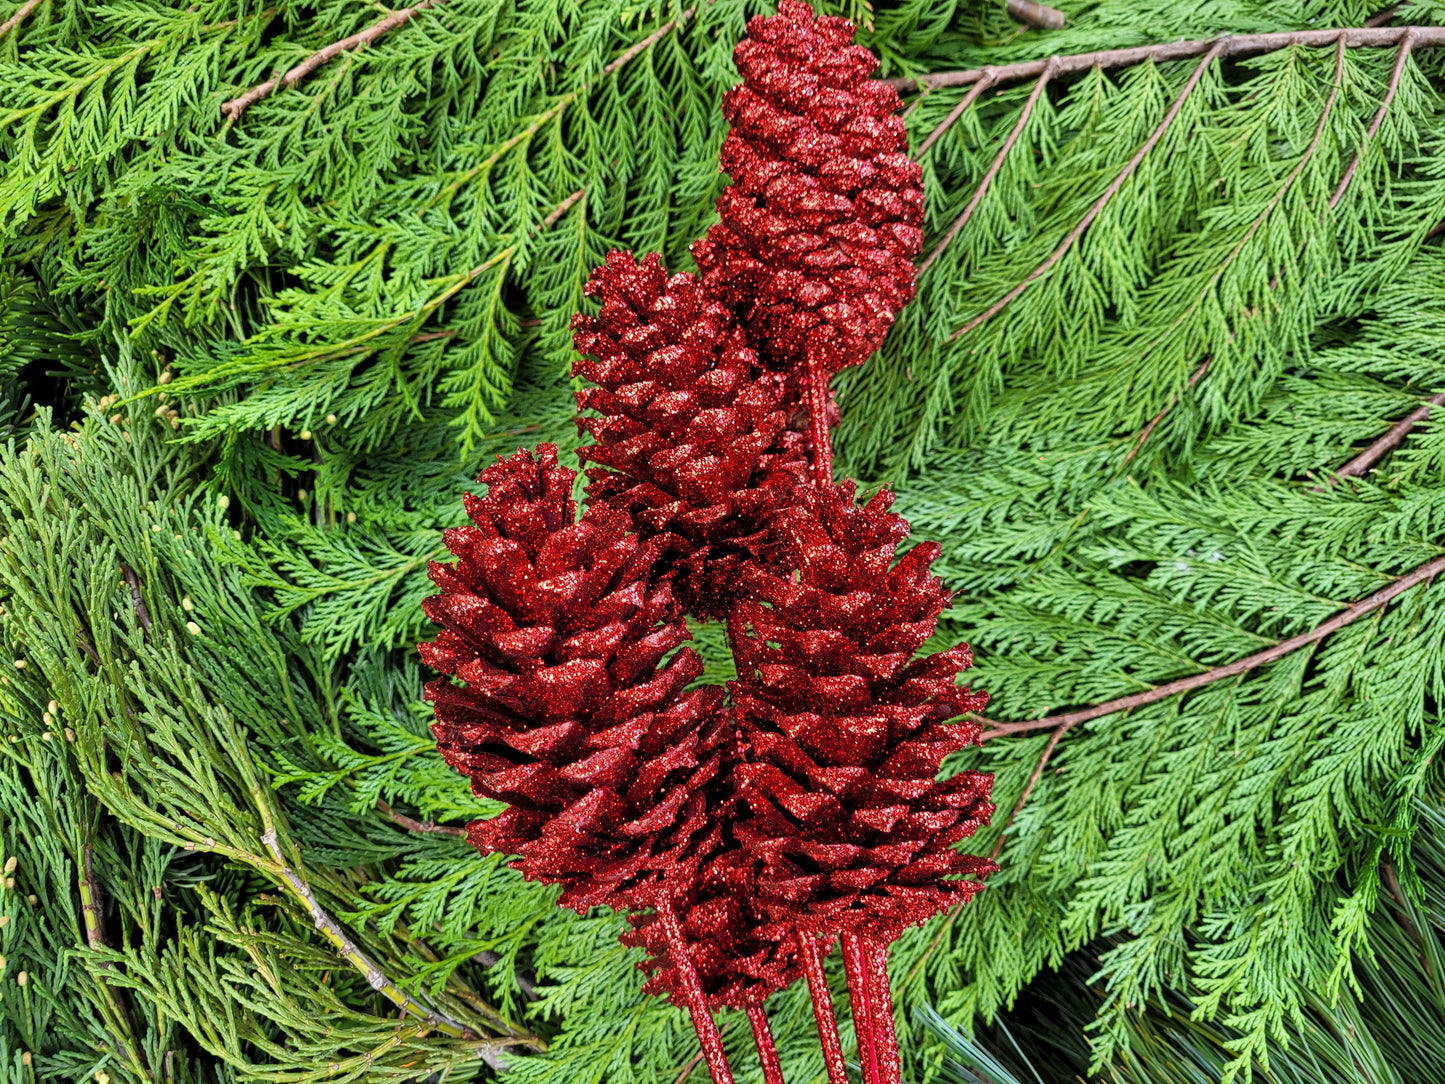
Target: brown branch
411 824
1235 45
1386 16
138 603
1032 13
1428 571
1356 467
1144 433
957 111
1392 883
649 41
1407 44
688 1068
1108 194
562 208
90 902
236 106
999 305
1028 789
16 19
997 164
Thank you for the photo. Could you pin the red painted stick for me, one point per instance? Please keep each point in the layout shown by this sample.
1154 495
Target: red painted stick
712 1048
767 1052
818 423
822 1008
855 964
885 1039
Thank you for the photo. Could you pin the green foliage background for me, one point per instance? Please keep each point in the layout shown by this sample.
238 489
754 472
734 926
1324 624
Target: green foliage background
255 361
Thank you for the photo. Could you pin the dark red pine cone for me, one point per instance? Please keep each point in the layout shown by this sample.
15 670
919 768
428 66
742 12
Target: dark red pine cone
824 216
569 712
847 728
740 954
691 436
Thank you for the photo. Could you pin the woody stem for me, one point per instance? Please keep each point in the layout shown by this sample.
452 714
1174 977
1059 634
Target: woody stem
763 1037
855 965
812 959
707 1036
880 1003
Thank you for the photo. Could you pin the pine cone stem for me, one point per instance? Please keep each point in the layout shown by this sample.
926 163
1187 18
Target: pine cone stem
880 1003
763 1036
855 965
818 419
812 958
707 1035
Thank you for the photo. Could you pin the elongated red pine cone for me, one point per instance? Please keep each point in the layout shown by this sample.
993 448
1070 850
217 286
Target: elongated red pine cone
825 213
572 712
692 439
846 728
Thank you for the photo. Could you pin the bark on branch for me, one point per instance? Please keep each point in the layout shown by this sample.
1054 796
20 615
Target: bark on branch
16 19
236 106
1233 45
1357 467
1350 614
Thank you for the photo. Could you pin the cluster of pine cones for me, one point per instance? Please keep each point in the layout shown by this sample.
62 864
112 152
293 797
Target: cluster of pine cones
804 800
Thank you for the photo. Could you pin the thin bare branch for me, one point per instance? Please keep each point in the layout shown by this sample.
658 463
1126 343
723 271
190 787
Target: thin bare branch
997 164
1067 721
1407 44
562 208
358 959
649 41
1054 738
236 106
1356 467
16 19
1234 45
137 603
411 824
1108 194
1148 429
1032 13
957 111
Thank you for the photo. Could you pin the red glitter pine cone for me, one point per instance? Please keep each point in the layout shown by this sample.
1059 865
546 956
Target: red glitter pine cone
846 729
692 439
824 216
572 712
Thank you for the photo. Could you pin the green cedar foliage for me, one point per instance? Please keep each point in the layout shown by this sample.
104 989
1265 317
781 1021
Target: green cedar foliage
255 360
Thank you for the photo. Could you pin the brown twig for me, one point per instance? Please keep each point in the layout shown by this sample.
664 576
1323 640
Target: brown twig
411 824
1386 16
1108 194
957 111
1356 467
1392 883
141 613
1148 429
688 1068
1058 733
236 106
1067 721
1032 13
1234 45
1044 76
999 305
649 41
562 208
1407 44
16 19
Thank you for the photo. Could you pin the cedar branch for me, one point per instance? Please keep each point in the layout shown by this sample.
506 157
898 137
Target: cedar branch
994 167
1233 45
236 106
1407 44
1108 194
137 602
16 19
411 824
1144 433
953 115
1356 467
1067 721
353 954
